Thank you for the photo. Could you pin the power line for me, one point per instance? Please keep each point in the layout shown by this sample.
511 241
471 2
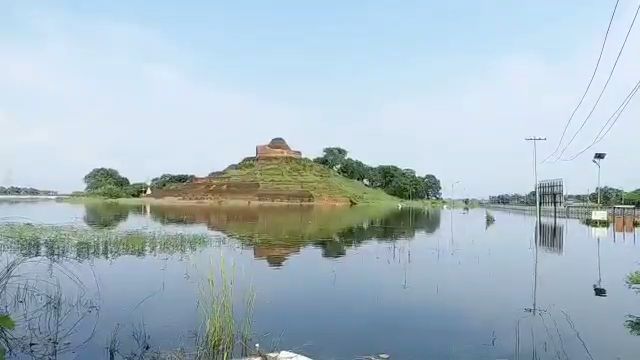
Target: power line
593 75
615 116
604 87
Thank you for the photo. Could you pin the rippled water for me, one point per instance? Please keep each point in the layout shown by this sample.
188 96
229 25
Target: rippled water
339 283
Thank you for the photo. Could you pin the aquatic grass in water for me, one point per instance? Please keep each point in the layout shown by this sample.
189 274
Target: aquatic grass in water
46 314
489 219
224 332
633 279
221 336
82 243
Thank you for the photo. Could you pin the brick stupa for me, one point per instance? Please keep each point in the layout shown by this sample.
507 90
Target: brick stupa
275 149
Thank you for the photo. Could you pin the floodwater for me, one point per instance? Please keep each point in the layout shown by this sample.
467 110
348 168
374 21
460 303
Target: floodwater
337 283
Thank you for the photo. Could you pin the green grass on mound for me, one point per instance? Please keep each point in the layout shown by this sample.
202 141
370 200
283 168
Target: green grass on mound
304 174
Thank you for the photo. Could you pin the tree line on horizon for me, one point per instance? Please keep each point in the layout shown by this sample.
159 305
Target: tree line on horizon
402 183
609 196
25 191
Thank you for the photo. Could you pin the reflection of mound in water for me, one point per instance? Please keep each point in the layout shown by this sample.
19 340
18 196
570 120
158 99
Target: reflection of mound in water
277 232
275 256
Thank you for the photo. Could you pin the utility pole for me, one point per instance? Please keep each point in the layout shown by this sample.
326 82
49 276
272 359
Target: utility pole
535 170
537 230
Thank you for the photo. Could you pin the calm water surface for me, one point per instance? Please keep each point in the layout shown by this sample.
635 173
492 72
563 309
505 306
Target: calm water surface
341 283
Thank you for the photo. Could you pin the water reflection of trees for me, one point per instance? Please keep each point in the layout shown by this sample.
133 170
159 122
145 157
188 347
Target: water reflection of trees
105 215
275 233
633 324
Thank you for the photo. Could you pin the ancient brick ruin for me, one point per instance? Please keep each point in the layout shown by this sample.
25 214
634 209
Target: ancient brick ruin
276 148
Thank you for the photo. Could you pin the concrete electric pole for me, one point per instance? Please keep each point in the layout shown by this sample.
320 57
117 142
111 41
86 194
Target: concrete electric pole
535 170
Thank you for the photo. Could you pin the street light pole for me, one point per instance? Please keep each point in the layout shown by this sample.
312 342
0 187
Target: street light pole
452 185
599 187
596 160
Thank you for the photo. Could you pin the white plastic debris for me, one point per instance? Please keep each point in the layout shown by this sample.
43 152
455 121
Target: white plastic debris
286 355
282 355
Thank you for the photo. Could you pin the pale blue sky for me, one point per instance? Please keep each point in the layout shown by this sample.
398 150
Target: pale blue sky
449 88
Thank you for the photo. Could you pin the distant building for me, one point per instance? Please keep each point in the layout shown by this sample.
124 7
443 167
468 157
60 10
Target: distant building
276 148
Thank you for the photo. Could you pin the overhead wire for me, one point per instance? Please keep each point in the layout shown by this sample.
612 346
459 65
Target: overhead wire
593 75
614 117
605 84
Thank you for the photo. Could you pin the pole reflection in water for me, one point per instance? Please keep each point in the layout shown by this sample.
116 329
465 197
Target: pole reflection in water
535 265
598 288
551 237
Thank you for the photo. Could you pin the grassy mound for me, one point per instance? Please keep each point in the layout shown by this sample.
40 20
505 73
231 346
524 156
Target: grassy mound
281 180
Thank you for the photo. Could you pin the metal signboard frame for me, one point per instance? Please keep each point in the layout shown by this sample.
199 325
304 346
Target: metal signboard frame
551 193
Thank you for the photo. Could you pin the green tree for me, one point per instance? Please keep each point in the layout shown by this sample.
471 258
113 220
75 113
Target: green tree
432 186
386 175
354 169
167 180
403 183
409 172
101 177
400 186
136 189
632 198
111 192
333 157
608 196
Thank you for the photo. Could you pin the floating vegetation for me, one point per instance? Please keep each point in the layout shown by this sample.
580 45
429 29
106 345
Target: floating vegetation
633 279
489 219
79 243
633 324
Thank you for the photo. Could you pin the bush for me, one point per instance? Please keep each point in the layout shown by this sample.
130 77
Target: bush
136 189
110 192
167 180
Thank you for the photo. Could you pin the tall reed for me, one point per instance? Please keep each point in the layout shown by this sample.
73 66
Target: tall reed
223 332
